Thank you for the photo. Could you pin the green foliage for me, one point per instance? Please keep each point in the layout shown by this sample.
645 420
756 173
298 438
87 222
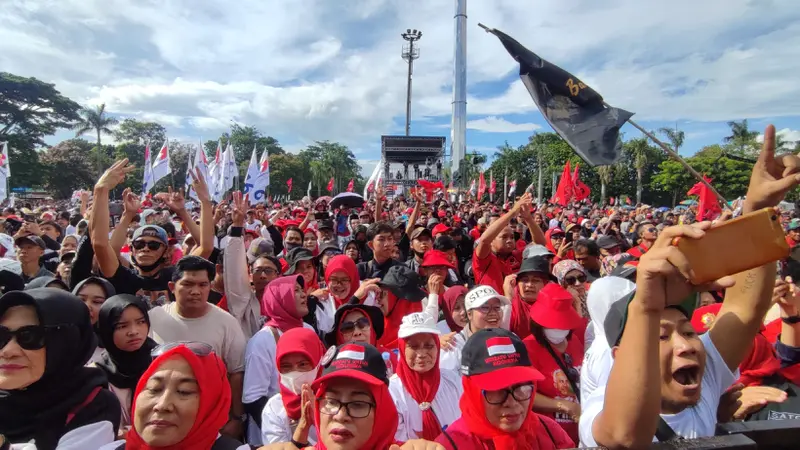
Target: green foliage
742 141
326 159
67 167
96 120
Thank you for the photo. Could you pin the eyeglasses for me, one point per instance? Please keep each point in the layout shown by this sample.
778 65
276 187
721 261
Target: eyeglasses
29 337
580 279
520 393
151 245
264 271
486 309
339 281
349 327
198 348
356 410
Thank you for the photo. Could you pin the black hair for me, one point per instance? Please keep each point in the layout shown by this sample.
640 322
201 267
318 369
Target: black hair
53 224
444 243
378 228
169 227
590 246
75 219
295 229
193 264
64 215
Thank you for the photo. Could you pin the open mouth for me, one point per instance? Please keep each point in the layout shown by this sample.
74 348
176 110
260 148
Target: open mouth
687 376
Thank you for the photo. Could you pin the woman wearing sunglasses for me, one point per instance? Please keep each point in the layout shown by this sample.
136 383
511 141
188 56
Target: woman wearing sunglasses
556 348
572 276
49 396
424 394
123 325
181 402
499 387
289 415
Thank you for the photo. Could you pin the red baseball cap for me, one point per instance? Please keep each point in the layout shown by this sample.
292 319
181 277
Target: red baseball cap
440 229
553 309
436 258
704 317
442 214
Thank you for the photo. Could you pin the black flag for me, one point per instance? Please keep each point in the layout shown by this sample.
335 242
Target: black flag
574 110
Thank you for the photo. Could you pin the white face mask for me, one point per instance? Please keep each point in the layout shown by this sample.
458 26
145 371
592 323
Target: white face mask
555 336
294 381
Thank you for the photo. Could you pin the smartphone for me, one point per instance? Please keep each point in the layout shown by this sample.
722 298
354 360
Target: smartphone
740 244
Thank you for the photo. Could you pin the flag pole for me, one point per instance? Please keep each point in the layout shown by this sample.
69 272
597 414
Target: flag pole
676 157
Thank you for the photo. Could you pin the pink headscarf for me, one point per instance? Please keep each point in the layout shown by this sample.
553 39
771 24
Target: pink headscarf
279 303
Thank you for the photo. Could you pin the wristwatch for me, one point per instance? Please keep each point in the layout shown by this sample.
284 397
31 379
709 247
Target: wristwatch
791 320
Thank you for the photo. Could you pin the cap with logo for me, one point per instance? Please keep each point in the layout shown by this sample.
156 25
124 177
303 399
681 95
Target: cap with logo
403 282
30 239
417 323
359 361
481 294
495 359
154 231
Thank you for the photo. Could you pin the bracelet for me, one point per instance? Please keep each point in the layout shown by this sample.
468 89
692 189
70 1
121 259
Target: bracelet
299 444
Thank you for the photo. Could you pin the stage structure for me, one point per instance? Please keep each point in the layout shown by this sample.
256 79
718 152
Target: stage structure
407 159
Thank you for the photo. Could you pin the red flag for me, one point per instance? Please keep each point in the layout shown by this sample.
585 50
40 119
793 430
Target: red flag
430 188
707 204
581 190
330 185
350 186
493 187
564 192
481 186
289 183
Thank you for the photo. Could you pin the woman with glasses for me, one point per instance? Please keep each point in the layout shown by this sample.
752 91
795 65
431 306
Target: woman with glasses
288 415
499 388
556 348
181 402
94 291
123 326
48 395
424 394
571 275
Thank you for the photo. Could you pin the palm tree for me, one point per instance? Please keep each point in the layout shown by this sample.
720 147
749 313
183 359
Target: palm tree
318 173
741 137
95 120
675 137
605 173
639 149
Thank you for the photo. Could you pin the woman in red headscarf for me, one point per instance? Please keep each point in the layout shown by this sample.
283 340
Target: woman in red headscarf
341 277
452 306
288 415
181 401
423 394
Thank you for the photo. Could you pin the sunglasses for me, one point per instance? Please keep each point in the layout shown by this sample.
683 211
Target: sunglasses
198 348
348 327
580 279
151 245
29 337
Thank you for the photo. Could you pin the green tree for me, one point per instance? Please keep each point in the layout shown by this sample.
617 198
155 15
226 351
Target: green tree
284 166
66 167
672 177
30 110
96 120
675 137
742 138
326 159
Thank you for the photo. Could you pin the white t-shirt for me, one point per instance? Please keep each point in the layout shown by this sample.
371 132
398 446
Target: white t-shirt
451 359
114 445
277 427
596 368
444 405
697 421
255 226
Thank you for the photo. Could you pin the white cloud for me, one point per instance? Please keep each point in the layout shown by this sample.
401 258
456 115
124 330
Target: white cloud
789 136
308 70
494 124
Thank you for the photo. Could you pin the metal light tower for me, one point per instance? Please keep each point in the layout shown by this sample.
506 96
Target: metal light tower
410 53
459 127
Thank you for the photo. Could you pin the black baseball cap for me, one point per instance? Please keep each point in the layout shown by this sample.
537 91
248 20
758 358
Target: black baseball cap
325 224
403 282
607 242
536 264
617 317
353 360
329 248
495 359
296 255
30 239
373 313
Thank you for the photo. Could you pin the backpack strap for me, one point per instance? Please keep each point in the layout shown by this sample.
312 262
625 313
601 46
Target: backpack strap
89 398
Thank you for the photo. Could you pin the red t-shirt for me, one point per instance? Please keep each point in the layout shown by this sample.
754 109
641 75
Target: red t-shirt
548 437
638 251
491 271
556 384
475 234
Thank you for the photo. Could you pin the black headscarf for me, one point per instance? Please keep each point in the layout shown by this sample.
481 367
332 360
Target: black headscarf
107 287
122 368
41 282
40 410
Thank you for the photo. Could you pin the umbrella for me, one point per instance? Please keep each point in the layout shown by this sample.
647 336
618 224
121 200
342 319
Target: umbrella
347 200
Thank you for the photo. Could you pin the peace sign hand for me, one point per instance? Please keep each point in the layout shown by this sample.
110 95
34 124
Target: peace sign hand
114 175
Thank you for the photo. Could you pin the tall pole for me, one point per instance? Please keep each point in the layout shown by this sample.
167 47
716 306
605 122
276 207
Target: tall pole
505 186
410 53
459 126
539 186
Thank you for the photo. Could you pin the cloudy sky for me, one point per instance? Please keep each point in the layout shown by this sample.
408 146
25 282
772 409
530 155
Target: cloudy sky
306 70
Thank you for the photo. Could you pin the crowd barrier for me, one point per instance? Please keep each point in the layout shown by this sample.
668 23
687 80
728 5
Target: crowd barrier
761 435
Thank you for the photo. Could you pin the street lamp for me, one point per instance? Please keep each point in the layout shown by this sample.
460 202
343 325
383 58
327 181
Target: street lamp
410 53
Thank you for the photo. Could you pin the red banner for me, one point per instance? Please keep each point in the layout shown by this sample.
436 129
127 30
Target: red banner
493 187
581 190
350 186
330 185
481 186
564 193
289 183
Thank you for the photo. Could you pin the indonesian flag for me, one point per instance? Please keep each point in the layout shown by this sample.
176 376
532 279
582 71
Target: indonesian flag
492 187
147 179
481 186
500 346
161 164
330 185
472 188
289 184
580 189
5 166
353 351
350 186
512 188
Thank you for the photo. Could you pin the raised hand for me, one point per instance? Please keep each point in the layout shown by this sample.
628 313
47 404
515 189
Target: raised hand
239 204
114 175
200 186
772 177
173 199
131 202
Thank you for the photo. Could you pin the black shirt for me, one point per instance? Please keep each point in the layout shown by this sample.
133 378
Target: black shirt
372 269
128 281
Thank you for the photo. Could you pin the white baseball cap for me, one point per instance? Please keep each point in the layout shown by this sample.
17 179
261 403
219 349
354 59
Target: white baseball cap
481 294
417 323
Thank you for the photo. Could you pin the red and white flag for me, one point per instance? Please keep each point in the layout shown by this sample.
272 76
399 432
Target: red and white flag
500 345
351 351
512 188
350 186
161 164
330 185
147 179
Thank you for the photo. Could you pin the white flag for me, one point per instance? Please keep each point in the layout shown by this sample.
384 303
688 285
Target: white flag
264 167
161 163
373 179
201 163
512 188
5 163
147 179
255 183
3 192
214 172
308 192
227 172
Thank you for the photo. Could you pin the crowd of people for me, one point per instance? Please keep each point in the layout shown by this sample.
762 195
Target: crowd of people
172 322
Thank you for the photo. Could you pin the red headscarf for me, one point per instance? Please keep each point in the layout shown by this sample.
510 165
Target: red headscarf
343 263
423 388
448 304
373 338
215 400
279 303
306 343
385 426
398 308
473 412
